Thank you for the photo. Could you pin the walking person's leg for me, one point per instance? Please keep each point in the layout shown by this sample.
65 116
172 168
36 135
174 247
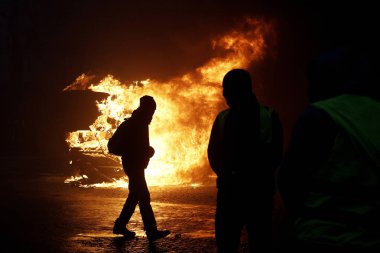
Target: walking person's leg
147 213
228 225
128 208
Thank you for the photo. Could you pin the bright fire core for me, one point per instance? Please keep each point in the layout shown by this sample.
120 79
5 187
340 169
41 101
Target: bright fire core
186 108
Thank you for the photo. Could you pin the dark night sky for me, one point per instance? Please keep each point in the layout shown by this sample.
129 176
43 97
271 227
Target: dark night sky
45 45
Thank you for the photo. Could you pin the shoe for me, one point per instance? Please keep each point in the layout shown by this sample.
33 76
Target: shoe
157 234
120 229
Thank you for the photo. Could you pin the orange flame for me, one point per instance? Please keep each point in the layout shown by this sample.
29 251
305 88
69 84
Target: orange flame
186 108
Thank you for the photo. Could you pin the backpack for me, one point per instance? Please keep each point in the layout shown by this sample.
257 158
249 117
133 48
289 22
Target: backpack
117 144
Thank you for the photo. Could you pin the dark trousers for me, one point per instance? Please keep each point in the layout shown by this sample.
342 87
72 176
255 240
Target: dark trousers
236 209
138 194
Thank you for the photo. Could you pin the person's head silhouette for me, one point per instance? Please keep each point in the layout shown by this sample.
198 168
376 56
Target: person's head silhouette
237 87
147 108
148 103
342 70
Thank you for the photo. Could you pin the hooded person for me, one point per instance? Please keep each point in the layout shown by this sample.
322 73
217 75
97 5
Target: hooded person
135 160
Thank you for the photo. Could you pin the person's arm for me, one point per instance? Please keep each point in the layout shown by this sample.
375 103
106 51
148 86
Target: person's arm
310 146
214 150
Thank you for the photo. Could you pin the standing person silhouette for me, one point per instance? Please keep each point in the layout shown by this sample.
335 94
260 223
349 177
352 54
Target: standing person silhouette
135 161
330 177
245 148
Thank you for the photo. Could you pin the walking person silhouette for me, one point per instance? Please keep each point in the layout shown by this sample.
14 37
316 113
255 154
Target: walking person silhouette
135 134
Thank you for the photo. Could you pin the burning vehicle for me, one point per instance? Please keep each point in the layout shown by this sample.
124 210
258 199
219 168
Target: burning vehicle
179 132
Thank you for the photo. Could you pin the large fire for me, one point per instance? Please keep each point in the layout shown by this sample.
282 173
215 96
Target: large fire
186 108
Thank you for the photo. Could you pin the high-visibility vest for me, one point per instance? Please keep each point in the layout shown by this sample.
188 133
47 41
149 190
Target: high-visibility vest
266 126
343 205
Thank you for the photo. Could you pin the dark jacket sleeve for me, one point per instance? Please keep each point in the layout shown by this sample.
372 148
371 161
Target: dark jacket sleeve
214 150
310 146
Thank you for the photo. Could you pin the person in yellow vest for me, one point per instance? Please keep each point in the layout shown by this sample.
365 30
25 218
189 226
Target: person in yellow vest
245 148
330 177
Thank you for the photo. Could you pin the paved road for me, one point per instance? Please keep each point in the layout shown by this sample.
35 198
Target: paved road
39 213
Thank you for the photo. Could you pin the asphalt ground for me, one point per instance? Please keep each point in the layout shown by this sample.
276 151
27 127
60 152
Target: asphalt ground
40 213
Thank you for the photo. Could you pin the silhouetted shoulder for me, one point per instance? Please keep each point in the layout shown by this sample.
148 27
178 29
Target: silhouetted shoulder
223 114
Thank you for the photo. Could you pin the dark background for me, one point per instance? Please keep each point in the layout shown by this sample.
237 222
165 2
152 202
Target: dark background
45 45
